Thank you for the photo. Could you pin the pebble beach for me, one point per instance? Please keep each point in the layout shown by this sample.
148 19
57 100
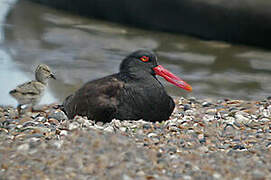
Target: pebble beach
203 139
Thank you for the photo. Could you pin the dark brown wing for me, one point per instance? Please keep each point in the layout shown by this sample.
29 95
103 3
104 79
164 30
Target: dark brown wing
97 99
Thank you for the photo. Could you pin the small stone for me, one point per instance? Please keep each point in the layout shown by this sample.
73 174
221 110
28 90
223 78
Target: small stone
155 140
266 113
73 126
58 144
109 129
116 123
2 114
152 135
206 104
12 113
189 112
23 147
36 135
87 123
219 101
208 118
258 175
99 123
192 99
53 121
123 129
203 149
186 177
230 120
126 177
229 129
12 126
2 119
24 120
241 119
58 114
41 119
3 130
34 115
201 138
186 107
30 123
238 147
39 129
63 133
217 176
224 146
147 126
211 111
173 128
80 119
98 127
141 173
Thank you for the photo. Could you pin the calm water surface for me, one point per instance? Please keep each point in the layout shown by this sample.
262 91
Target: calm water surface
80 49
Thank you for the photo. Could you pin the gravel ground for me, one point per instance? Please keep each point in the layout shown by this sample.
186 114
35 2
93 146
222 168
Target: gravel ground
204 139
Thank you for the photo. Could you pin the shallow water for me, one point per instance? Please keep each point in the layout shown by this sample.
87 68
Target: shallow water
80 49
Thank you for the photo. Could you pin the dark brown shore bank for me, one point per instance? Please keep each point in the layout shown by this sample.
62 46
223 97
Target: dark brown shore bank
238 21
224 139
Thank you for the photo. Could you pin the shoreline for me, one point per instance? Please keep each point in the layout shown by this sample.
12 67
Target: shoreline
223 139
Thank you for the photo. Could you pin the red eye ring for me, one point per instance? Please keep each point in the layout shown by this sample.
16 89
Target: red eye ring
144 58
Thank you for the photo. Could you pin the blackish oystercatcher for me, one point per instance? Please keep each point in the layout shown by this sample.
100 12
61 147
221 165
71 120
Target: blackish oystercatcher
133 93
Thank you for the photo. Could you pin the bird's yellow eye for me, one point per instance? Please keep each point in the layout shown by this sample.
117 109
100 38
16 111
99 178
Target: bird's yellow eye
144 58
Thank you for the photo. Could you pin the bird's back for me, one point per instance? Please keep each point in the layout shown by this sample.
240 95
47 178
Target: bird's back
96 99
28 93
116 97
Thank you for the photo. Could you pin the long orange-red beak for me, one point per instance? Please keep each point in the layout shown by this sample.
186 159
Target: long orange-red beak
170 77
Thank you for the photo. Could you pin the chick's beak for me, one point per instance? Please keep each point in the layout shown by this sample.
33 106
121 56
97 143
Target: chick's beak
52 76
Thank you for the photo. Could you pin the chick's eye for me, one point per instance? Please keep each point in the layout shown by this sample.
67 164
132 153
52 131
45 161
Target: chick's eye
144 58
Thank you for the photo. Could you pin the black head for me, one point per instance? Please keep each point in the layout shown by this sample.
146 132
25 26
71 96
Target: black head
139 62
142 63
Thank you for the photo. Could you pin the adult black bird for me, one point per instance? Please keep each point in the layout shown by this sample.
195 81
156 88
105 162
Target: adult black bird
133 93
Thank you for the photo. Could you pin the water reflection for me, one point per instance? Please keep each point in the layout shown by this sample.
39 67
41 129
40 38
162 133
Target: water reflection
11 76
11 73
80 49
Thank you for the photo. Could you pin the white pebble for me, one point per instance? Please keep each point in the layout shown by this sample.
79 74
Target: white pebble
230 120
63 133
98 127
73 126
152 135
217 176
241 119
123 129
23 147
58 144
208 118
109 129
